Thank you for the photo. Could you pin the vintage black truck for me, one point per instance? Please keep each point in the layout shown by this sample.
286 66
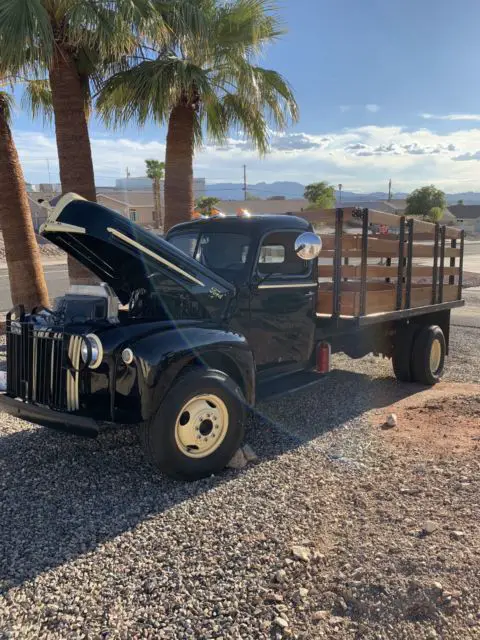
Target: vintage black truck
185 333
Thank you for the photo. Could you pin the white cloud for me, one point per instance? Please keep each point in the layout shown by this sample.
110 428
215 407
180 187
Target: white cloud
345 107
373 108
452 116
361 158
468 156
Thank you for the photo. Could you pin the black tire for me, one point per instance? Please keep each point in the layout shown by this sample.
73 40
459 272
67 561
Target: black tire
427 339
402 352
158 436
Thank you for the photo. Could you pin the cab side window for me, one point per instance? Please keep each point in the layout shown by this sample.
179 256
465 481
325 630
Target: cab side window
277 256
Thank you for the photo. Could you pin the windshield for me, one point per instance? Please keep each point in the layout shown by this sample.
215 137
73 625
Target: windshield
224 253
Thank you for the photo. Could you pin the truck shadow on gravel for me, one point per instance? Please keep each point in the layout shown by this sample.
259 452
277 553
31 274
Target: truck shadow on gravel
63 495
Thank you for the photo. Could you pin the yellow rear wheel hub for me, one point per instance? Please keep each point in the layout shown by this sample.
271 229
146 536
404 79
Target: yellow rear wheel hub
435 356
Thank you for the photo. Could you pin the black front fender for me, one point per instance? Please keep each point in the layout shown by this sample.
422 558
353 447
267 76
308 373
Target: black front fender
160 358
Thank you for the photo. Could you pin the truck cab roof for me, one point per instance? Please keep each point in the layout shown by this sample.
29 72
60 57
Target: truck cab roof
254 225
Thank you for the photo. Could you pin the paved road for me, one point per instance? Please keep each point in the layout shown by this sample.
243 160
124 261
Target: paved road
469 315
471 258
57 282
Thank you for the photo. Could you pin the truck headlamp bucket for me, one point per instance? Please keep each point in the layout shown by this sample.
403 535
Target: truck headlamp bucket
91 351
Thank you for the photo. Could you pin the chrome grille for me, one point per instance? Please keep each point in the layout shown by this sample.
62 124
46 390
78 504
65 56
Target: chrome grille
43 365
74 346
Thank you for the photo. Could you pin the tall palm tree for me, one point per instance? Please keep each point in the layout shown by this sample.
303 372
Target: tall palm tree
71 40
155 171
204 80
27 280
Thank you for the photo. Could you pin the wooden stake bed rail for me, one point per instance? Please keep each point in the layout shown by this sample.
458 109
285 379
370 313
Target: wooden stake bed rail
380 262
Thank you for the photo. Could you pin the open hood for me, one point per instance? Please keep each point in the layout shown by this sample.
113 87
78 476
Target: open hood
128 257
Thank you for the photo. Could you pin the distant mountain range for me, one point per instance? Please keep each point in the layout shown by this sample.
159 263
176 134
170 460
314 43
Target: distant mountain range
294 190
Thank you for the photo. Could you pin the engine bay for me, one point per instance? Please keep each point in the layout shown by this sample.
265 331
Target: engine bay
86 303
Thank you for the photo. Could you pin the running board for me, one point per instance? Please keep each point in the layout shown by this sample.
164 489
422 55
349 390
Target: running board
280 386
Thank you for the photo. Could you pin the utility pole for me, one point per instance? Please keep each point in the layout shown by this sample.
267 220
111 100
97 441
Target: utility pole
389 189
126 211
48 169
244 181
340 186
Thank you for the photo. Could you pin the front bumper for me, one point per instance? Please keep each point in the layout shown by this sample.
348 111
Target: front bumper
48 418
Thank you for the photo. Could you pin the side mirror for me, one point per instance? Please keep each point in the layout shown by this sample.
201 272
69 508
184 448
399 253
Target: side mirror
308 245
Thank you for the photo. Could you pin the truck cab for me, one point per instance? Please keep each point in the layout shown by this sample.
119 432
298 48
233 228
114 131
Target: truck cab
274 306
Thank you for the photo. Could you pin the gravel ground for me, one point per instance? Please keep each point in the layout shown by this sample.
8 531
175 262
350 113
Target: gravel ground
333 533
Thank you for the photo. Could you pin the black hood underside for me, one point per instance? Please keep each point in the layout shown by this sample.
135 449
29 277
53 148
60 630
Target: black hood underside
128 257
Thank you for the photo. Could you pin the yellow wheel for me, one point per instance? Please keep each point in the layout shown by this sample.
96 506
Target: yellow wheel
201 426
198 427
428 356
436 354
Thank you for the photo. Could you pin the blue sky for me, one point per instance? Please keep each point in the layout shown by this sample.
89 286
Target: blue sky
385 88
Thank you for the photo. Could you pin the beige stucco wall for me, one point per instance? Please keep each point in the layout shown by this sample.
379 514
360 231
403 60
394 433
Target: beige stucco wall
142 206
142 202
262 206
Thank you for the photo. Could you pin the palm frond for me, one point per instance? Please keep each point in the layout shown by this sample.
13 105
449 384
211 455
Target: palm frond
243 28
241 113
265 87
37 98
25 34
99 26
155 169
150 90
6 107
207 61
140 93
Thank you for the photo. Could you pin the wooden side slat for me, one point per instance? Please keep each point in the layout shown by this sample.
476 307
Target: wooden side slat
419 251
379 271
348 242
391 220
380 300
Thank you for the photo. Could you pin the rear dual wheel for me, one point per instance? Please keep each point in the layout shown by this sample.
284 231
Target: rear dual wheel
419 354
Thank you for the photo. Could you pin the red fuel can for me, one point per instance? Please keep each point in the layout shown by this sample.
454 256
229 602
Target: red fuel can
324 351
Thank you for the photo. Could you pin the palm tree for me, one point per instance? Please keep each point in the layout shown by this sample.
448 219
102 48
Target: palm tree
72 40
206 205
204 80
27 280
155 171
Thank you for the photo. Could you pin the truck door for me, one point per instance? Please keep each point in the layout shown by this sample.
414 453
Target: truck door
282 307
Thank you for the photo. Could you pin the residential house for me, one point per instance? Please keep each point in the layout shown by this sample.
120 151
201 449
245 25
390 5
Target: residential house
467 216
137 206
398 206
38 210
230 207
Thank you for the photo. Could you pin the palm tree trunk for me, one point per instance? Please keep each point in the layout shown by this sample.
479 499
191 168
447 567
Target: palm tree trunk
158 204
179 166
157 214
73 141
27 280
155 210
161 218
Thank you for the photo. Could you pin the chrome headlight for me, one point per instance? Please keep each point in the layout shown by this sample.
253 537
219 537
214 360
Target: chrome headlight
91 351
